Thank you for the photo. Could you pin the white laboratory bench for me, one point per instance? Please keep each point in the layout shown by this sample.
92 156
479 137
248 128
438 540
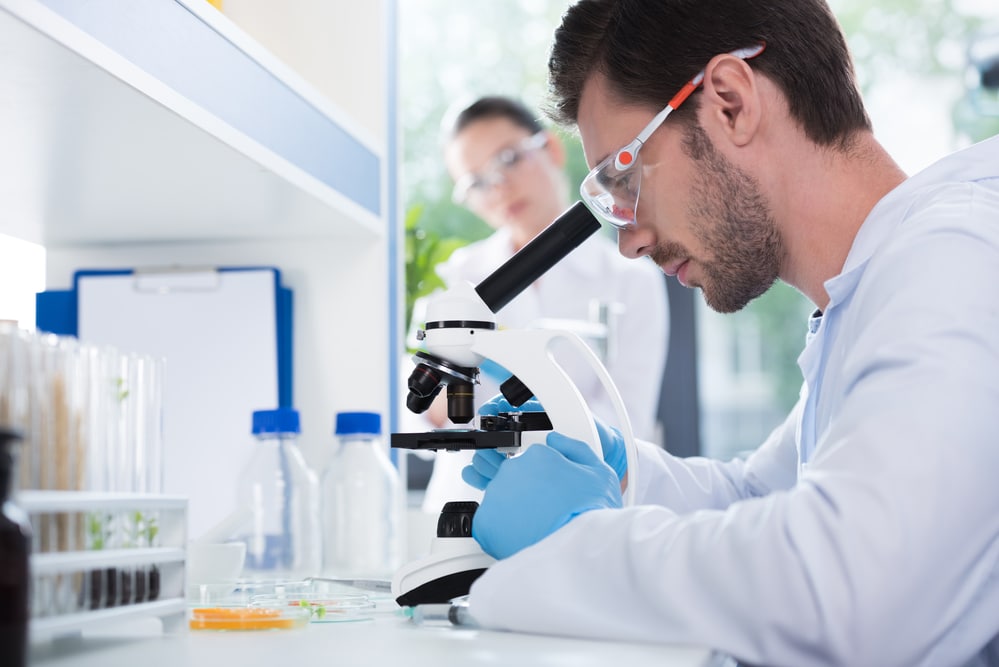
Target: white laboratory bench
388 639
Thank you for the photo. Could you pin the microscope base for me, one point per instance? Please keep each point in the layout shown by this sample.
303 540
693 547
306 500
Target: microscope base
440 590
446 573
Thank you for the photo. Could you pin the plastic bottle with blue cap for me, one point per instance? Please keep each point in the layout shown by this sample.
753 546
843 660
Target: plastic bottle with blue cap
361 502
281 492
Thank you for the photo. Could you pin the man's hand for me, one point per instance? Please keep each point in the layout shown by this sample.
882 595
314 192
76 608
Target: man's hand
486 462
478 475
534 494
498 404
484 466
612 446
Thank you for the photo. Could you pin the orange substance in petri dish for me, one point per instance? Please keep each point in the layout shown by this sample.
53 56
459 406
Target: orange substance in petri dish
239 618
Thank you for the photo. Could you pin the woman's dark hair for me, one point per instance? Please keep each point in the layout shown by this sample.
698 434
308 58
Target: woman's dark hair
493 106
647 50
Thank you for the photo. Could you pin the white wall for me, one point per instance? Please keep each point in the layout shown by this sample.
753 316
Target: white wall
22 274
336 45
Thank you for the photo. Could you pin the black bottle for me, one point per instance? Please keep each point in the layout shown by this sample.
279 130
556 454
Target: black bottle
15 545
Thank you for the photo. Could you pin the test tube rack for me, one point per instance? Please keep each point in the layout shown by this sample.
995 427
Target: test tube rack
101 558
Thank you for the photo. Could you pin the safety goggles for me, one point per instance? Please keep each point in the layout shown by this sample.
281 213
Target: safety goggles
611 188
474 186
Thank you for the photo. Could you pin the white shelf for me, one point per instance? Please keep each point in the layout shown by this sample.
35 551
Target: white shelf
74 561
85 501
98 150
41 629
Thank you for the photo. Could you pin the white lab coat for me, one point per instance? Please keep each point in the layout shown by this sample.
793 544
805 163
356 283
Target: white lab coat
593 271
865 530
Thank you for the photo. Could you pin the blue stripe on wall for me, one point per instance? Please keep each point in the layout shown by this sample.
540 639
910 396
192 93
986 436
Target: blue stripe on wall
173 45
392 183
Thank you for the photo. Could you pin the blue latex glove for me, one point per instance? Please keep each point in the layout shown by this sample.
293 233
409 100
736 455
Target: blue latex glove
611 443
486 462
612 446
538 492
484 466
498 404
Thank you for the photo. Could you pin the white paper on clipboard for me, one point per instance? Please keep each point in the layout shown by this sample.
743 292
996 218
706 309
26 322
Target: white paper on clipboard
217 331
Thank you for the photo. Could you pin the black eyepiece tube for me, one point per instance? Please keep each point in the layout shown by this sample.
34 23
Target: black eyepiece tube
543 252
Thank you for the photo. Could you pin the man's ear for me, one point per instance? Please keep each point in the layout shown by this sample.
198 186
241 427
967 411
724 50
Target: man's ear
731 98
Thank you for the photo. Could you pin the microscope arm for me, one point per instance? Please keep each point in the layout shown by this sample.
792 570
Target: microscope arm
528 355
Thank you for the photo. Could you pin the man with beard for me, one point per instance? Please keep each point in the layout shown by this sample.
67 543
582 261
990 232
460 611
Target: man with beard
730 144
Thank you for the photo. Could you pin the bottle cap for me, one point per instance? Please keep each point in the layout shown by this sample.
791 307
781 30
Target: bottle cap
8 438
9 435
358 422
281 420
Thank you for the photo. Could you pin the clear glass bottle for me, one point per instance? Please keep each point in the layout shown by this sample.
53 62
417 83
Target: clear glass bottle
361 502
281 494
15 545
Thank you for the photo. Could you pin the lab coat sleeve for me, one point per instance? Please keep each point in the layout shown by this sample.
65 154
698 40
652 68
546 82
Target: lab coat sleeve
693 483
638 359
884 553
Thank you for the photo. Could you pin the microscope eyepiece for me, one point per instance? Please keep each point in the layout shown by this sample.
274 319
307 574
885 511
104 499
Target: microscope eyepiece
543 252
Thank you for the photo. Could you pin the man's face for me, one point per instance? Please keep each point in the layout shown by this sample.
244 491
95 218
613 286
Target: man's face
699 217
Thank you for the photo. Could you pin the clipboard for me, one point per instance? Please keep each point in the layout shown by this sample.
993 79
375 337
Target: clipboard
225 334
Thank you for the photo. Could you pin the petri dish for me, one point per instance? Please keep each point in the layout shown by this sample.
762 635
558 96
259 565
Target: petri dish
323 608
240 593
247 618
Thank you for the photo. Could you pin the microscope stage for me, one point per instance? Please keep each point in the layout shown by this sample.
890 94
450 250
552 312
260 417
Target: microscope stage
455 439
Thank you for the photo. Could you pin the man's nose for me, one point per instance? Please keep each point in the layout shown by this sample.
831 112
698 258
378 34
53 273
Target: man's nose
634 242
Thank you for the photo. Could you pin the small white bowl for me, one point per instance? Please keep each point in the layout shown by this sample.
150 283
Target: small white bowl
214 562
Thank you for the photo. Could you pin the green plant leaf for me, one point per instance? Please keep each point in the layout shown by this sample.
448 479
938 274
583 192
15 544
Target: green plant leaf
425 249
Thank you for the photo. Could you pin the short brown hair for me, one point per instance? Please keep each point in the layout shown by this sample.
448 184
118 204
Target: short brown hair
648 49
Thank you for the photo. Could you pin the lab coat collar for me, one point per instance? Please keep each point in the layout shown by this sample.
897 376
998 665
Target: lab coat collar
970 164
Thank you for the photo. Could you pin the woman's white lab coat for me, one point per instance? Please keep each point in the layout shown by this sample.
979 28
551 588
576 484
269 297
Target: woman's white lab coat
865 531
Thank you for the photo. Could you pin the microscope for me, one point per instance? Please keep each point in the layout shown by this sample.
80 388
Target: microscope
459 335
